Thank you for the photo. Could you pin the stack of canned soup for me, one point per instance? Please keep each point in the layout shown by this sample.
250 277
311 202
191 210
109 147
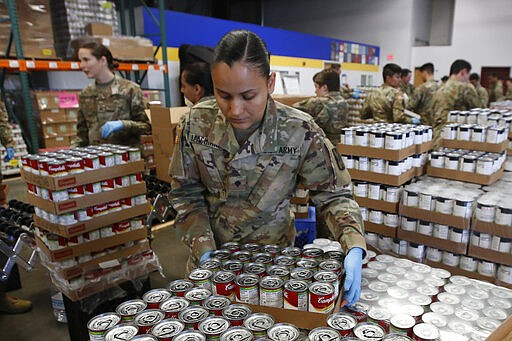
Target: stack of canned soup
386 136
427 303
483 117
355 105
495 207
75 161
471 161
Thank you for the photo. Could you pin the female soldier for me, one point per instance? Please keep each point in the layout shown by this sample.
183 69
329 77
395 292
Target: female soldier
196 83
111 109
241 157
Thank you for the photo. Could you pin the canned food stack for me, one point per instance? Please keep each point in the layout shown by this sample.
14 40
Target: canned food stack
90 205
148 151
487 117
20 150
355 105
299 203
428 303
390 154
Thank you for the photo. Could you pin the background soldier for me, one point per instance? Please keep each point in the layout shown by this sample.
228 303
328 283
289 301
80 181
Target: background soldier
405 82
422 100
474 79
329 109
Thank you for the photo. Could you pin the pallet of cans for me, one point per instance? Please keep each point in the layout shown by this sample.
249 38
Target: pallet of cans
498 117
390 154
475 137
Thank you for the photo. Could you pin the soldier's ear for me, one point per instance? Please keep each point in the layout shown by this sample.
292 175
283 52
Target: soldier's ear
271 83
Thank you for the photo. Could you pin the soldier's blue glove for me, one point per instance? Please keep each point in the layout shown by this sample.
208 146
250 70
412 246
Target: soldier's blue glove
10 154
110 127
415 120
353 268
355 94
205 256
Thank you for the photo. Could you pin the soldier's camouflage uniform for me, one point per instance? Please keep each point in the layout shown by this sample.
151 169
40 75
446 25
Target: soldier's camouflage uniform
5 128
226 192
385 104
330 112
422 100
120 100
453 95
482 94
495 92
408 89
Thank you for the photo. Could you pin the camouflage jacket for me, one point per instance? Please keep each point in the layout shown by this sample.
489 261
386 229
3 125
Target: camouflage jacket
226 192
408 89
5 127
484 96
495 92
121 100
422 100
385 104
453 95
329 112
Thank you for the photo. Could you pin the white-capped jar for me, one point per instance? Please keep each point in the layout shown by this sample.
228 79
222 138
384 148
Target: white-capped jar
485 240
385 243
375 216
458 235
408 224
485 211
347 136
391 219
425 227
417 160
495 242
453 115
468 163
377 139
362 138
361 189
440 231
503 215
434 255
486 268
363 163
393 140
418 136
451 259
468 263
374 191
462 208
415 250
371 238
443 205
472 117
378 166
391 194
462 117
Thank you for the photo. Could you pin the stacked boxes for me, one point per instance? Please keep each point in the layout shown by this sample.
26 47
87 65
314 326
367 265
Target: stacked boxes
20 150
90 205
355 106
58 111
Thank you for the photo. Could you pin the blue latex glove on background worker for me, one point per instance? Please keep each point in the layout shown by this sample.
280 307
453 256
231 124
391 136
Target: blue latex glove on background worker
111 127
9 154
415 120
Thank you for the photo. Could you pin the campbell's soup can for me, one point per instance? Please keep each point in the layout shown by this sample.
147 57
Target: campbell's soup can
251 247
283 332
321 297
190 335
236 334
235 266
259 323
273 249
307 263
144 337
108 185
154 297
201 278
192 315
173 305
56 168
93 188
280 271
196 295
366 331
344 323
331 265
98 325
231 246
222 255
180 286
425 332
216 304
313 253
263 258
42 164
167 329
246 288
213 327
283 260
271 291
134 154
258 269
121 156
106 159
328 277
402 323
243 256
296 295
74 165
127 310
212 264
123 331
324 333
396 337
380 316
223 283
122 181
136 178
236 313
76 192
91 162
302 274
146 319
334 254
292 251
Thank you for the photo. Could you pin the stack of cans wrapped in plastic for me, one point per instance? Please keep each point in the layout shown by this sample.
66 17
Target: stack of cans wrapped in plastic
90 205
20 150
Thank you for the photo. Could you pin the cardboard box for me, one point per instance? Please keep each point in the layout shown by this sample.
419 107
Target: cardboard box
392 180
93 264
481 146
123 48
465 176
94 223
50 116
502 284
460 272
436 217
72 114
379 153
59 129
424 147
503 333
92 246
57 141
490 255
492 228
87 200
87 177
380 205
300 200
163 124
380 229
289 99
98 29
442 244
47 99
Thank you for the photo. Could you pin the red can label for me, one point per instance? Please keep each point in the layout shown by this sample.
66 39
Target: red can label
123 226
154 297
100 209
75 165
173 306
91 162
114 206
147 319
56 168
224 284
76 192
108 185
296 295
321 297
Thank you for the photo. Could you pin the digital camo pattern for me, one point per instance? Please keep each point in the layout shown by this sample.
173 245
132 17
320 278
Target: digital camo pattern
453 95
422 100
408 88
483 95
495 92
329 112
121 100
226 192
5 128
385 104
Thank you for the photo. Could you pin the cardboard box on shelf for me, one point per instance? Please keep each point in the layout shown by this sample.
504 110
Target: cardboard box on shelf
465 176
436 217
379 153
123 48
59 129
381 205
386 179
57 141
94 223
380 229
163 124
490 255
74 204
98 29
92 246
442 244
47 99
72 114
471 145
491 228
50 116
87 177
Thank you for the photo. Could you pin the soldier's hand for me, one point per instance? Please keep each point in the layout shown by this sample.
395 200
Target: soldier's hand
110 127
9 154
353 269
205 256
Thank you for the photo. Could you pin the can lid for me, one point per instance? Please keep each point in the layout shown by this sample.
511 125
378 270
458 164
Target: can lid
369 331
214 325
283 332
426 331
121 331
259 322
167 328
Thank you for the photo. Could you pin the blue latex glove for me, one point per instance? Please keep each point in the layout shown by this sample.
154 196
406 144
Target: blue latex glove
415 120
205 256
353 267
10 154
110 127
355 94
